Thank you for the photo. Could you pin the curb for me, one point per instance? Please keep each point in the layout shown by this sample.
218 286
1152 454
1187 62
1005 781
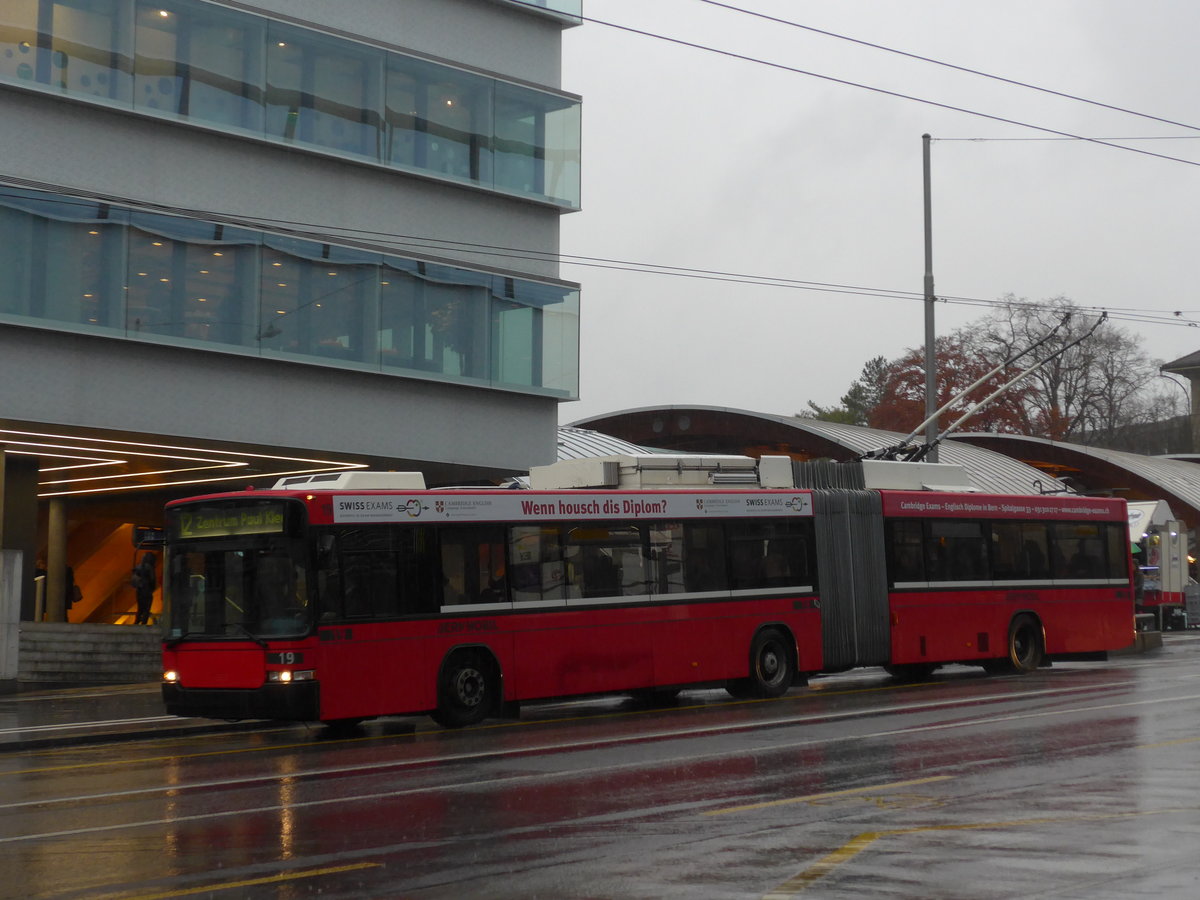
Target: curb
115 737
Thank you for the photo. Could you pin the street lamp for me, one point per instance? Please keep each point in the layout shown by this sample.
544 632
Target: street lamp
1187 409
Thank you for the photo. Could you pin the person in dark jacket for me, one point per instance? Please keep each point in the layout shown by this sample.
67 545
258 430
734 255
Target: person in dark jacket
144 582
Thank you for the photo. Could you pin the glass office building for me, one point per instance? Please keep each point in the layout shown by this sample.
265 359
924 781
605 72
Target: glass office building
84 265
216 67
246 238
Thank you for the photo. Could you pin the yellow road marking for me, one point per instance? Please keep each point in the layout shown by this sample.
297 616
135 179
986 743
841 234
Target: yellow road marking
1174 743
827 795
251 882
826 864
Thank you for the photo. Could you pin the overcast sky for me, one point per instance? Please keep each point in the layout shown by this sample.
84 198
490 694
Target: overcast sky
702 161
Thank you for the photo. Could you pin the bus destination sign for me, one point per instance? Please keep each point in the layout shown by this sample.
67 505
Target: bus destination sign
227 521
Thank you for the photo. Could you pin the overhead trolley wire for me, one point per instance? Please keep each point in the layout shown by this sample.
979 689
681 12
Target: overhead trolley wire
1149 137
879 90
965 69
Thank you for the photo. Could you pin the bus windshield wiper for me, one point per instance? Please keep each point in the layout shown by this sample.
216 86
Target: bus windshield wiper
248 633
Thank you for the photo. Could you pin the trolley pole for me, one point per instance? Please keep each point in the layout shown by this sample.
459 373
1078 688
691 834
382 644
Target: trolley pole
930 337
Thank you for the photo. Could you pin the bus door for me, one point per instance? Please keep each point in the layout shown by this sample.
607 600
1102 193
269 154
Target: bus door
377 611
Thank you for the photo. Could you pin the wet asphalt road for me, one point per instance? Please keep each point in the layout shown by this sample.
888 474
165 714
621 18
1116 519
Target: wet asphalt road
1077 781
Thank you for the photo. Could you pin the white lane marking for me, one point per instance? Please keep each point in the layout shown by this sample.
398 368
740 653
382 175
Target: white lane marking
82 694
589 744
25 729
572 773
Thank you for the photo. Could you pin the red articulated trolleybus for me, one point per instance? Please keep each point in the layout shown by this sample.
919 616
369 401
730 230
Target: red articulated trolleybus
337 598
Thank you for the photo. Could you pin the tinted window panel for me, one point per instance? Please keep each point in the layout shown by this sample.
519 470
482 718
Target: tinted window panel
688 556
765 554
907 550
1019 551
606 560
1119 552
473 565
1079 551
536 568
957 551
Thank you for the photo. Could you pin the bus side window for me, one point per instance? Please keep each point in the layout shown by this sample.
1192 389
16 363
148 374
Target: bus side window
1078 551
601 576
770 553
536 571
688 556
1118 550
1034 542
745 562
1081 551
607 560
906 549
959 551
473 565
1006 551
416 547
704 559
375 571
1018 551
370 584
329 578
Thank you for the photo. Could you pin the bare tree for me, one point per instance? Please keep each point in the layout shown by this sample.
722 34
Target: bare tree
1089 393
1103 384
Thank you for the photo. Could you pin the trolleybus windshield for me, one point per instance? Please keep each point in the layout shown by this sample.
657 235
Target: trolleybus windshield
235 571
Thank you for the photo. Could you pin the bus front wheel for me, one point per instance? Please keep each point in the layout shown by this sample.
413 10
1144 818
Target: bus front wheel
772 666
468 690
1026 648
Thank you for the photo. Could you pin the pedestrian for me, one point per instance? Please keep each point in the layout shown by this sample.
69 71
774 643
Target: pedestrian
73 593
144 581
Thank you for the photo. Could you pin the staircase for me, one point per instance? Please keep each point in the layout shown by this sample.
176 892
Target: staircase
64 653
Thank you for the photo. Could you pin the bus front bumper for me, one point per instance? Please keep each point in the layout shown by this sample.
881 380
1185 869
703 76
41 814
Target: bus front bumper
296 702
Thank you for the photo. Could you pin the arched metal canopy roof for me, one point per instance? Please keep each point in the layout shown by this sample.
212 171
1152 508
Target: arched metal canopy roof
583 443
1128 475
696 429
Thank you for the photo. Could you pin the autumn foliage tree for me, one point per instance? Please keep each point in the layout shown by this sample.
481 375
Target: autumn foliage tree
1085 391
960 364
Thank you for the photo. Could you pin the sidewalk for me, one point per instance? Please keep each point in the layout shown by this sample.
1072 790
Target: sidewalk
37 719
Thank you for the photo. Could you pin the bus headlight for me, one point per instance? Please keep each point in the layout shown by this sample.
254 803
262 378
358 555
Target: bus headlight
286 676
170 676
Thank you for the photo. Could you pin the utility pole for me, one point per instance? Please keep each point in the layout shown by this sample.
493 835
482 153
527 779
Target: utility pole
930 348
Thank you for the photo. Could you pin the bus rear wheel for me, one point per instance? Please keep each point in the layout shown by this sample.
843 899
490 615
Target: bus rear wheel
1026 648
468 690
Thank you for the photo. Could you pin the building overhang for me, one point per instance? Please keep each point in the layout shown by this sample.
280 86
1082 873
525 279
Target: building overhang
79 462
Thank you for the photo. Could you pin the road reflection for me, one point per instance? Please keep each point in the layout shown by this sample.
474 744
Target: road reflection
857 787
